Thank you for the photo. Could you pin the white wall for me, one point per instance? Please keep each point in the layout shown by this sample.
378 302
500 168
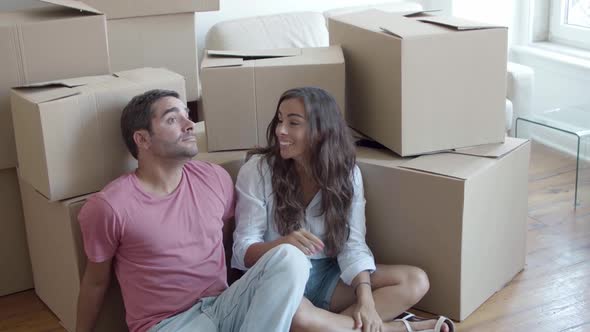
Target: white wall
232 9
559 80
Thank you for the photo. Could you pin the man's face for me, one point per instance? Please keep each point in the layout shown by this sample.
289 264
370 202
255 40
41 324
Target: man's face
173 135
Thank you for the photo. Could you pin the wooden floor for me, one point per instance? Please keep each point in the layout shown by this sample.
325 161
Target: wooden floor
552 294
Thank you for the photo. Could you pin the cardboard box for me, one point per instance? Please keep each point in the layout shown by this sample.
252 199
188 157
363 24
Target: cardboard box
15 264
59 261
241 89
64 39
131 8
423 83
232 161
168 41
68 132
459 216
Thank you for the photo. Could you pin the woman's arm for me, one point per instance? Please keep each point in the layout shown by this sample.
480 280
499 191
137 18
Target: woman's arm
308 243
356 256
250 215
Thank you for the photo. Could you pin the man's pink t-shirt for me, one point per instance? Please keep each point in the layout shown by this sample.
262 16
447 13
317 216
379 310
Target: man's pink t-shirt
167 251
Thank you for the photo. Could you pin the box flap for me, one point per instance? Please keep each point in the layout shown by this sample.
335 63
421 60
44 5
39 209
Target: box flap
68 82
404 27
492 150
449 164
147 74
53 90
74 4
457 23
234 58
423 12
39 95
212 62
255 54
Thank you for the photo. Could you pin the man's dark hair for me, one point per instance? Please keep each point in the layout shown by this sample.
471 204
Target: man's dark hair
137 115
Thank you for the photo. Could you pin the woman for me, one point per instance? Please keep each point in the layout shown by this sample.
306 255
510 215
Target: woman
305 189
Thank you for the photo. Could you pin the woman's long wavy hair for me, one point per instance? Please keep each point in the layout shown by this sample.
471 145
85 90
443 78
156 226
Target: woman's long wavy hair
332 159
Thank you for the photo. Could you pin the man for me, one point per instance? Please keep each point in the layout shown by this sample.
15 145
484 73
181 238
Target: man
161 228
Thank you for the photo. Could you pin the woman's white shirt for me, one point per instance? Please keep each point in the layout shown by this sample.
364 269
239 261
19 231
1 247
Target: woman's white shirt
255 220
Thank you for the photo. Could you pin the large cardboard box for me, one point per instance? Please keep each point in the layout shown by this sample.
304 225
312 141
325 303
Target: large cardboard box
58 259
423 83
168 41
15 264
64 39
459 216
68 132
241 89
132 8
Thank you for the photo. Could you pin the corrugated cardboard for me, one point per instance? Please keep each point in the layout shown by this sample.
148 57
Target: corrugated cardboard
65 39
459 216
230 160
68 132
15 264
422 84
241 89
58 259
168 41
131 8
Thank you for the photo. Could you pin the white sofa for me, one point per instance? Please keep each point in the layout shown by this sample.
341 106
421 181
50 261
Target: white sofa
308 29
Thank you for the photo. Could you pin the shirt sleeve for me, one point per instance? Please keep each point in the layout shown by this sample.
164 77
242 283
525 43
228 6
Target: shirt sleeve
356 256
251 212
227 189
101 229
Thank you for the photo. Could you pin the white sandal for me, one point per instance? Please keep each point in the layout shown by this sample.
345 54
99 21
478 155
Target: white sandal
409 317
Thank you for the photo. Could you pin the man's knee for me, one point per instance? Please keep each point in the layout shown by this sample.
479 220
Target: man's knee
288 257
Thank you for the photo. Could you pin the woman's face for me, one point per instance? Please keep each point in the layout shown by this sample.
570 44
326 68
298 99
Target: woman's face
292 129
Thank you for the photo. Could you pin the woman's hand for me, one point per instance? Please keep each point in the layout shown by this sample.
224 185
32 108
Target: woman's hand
308 243
366 317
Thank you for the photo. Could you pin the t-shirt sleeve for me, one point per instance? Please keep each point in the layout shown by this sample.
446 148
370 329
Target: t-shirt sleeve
101 229
228 191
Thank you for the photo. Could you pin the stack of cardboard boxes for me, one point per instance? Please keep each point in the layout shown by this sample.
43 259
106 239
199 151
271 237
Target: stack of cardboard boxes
433 88
65 107
38 45
449 194
450 199
155 33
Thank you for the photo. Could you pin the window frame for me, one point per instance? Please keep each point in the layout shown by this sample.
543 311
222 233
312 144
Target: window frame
560 32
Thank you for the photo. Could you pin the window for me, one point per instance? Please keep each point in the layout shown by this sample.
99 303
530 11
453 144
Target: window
570 22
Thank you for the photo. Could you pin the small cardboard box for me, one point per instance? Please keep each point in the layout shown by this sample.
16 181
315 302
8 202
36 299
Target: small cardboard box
64 39
15 264
241 89
460 216
58 259
68 132
132 8
421 84
168 41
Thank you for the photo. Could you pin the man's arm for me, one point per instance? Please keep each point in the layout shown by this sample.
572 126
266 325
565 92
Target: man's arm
95 282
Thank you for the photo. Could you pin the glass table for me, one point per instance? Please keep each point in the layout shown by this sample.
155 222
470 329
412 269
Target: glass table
572 121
